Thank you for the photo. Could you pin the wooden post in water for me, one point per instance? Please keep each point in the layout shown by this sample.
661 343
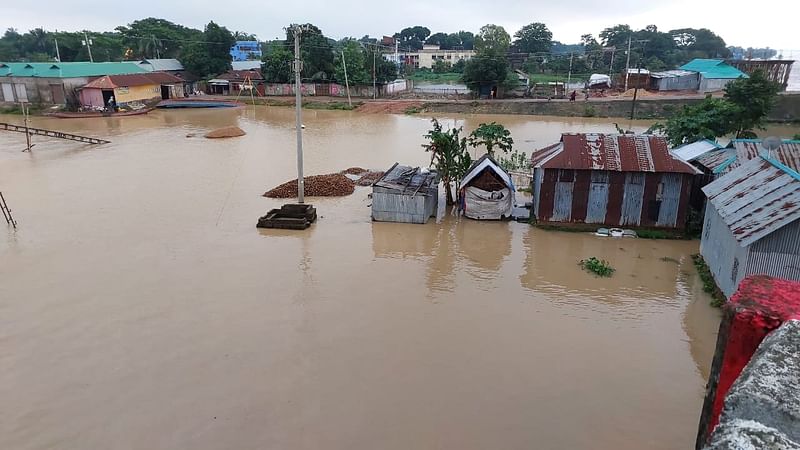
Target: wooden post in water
25 110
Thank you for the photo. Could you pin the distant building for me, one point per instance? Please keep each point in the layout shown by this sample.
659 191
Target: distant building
246 50
611 179
429 54
752 223
54 83
233 81
133 88
675 80
714 74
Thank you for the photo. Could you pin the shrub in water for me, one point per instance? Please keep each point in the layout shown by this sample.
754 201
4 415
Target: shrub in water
599 267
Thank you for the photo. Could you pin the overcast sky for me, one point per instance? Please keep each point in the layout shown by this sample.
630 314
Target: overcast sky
759 23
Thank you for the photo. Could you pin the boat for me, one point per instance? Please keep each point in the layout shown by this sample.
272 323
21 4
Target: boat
89 114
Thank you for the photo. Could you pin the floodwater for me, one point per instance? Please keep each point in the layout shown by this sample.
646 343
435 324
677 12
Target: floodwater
140 308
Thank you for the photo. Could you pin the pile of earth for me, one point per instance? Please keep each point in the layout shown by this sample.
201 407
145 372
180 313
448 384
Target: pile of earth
331 185
225 133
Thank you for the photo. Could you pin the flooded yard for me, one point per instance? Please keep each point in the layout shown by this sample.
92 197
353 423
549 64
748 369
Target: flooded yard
140 308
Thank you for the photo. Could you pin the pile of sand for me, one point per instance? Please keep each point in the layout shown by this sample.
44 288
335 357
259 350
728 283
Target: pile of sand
225 133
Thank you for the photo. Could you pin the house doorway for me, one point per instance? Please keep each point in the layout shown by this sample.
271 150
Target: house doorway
107 94
164 92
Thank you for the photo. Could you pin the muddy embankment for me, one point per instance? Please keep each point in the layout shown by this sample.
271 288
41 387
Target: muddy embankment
787 108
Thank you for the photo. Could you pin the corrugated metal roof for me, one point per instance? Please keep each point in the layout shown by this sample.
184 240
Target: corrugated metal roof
743 150
713 68
672 74
241 75
408 180
757 198
246 65
614 152
144 79
69 69
689 152
163 64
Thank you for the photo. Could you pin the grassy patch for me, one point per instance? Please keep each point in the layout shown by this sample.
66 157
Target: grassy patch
562 77
589 111
339 106
709 285
430 76
413 110
599 267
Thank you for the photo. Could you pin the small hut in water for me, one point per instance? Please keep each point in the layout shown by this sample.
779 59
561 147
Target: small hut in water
486 192
405 194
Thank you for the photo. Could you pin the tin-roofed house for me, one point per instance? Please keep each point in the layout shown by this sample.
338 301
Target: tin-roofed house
55 82
127 89
752 223
739 151
486 192
611 179
405 194
714 74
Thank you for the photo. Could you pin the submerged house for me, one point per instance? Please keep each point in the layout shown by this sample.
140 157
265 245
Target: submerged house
611 179
405 194
486 191
714 74
752 223
125 89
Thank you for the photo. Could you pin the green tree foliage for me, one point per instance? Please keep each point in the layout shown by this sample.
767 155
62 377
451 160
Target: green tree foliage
449 155
211 56
441 66
355 60
147 38
277 64
492 41
796 137
316 52
709 119
458 67
754 97
533 38
491 135
413 38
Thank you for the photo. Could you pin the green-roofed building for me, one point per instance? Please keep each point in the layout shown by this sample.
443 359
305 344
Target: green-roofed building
715 74
54 82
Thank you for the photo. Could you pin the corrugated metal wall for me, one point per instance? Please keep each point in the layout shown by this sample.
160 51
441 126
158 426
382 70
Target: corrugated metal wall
682 83
726 259
389 206
611 198
777 254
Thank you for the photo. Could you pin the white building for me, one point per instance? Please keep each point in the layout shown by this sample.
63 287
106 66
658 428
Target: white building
428 55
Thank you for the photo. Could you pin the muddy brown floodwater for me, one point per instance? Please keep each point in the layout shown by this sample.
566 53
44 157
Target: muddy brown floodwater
140 308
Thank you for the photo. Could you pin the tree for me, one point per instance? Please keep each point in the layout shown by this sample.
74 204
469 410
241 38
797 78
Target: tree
709 119
699 43
533 38
277 64
449 155
211 56
355 62
441 66
413 38
754 98
458 67
491 135
149 37
316 52
492 41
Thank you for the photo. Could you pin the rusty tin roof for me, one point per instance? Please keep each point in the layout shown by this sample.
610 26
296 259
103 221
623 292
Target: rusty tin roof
759 197
742 150
614 152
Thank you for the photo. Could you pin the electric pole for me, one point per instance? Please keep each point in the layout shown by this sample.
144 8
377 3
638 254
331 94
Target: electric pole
58 55
611 64
569 75
628 62
155 44
346 83
88 43
374 91
298 106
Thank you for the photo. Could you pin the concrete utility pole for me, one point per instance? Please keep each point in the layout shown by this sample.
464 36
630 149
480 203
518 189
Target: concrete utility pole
58 54
346 83
628 62
88 43
611 64
374 91
155 44
298 106
569 75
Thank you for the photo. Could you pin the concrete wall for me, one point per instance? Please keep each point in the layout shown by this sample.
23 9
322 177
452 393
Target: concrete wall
137 93
39 90
762 408
726 259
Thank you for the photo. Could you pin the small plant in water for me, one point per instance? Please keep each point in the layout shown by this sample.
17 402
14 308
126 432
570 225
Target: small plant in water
599 267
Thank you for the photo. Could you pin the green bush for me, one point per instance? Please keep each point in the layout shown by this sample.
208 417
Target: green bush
599 267
589 111
709 285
